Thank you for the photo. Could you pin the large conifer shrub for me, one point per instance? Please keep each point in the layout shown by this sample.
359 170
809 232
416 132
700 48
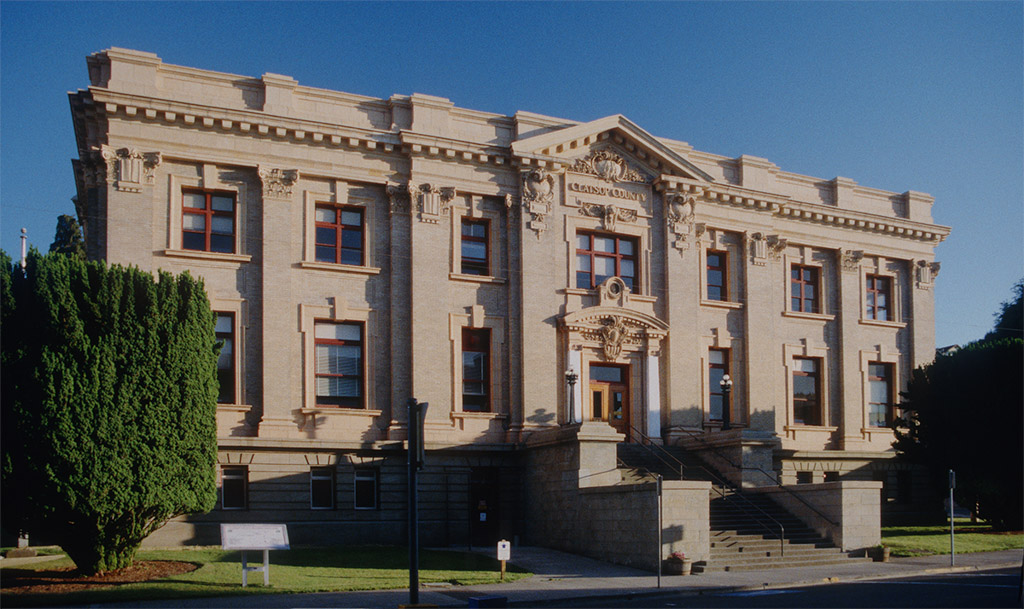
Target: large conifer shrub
109 399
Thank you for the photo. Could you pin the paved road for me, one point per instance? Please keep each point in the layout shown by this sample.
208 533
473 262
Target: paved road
995 588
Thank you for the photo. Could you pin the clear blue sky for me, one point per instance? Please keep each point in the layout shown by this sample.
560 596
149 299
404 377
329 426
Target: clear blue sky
925 96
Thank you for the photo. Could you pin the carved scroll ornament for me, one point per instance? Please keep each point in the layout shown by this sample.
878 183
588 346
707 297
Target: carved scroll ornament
538 197
277 183
128 169
608 166
612 333
609 214
432 200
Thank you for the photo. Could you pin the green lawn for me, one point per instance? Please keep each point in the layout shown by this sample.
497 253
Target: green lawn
969 537
299 570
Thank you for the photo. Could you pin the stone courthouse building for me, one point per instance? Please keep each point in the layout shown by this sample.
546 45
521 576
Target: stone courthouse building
362 251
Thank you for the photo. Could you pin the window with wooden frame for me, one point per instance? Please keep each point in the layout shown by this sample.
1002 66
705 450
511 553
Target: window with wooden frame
339 234
234 487
476 377
208 221
717 275
474 247
367 488
807 391
718 366
224 331
339 364
600 256
879 298
805 289
321 488
879 394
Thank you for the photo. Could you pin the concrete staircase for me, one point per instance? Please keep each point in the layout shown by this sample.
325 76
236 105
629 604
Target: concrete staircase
744 526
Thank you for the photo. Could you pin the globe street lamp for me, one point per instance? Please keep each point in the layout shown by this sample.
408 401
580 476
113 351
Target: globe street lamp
726 385
571 377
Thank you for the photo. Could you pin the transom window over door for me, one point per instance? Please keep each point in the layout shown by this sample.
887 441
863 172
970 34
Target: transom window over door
208 221
339 364
599 257
339 235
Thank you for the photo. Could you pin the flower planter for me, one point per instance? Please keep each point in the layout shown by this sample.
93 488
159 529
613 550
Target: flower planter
677 567
880 554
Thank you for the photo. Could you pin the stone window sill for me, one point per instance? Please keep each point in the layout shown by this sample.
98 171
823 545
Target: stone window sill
883 324
817 428
594 292
808 316
234 407
356 412
721 304
475 278
340 268
478 415
214 256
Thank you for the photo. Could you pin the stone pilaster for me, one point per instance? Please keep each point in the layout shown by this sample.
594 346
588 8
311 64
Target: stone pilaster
850 376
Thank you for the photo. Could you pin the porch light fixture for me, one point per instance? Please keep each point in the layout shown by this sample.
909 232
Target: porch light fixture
571 377
726 385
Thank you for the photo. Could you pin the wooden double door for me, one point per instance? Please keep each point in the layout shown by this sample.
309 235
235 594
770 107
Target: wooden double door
609 396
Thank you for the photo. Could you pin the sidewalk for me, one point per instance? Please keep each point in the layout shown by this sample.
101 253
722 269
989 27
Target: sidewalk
558 575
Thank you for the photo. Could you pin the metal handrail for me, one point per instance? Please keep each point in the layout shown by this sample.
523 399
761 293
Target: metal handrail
697 436
735 492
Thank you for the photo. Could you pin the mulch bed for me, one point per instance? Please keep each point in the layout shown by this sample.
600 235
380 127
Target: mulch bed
68 579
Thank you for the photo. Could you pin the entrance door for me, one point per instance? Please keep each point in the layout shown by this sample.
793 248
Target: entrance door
483 506
609 395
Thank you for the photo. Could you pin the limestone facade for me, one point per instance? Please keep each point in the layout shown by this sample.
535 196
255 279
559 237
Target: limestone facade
478 258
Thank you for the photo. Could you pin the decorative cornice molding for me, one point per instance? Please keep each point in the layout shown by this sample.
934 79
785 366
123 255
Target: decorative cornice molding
277 183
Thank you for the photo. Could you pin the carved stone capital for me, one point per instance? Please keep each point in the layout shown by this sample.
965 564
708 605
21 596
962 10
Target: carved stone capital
757 248
399 200
128 169
850 259
776 246
925 273
277 183
432 201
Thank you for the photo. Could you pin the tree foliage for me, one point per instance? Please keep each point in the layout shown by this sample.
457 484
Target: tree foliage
965 412
1010 320
109 399
67 239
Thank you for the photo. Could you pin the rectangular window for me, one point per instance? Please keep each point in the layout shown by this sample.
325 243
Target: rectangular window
804 477
339 234
234 487
476 351
717 275
878 298
831 476
879 394
718 366
339 364
474 247
225 334
804 289
321 488
208 221
366 483
806 391
599 257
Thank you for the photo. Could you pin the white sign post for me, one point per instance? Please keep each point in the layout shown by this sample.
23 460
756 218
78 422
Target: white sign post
245 537
504 553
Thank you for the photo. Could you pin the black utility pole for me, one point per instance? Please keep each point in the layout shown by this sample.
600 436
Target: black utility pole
415 421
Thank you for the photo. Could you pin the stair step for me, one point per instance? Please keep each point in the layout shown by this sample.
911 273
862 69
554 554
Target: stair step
779 563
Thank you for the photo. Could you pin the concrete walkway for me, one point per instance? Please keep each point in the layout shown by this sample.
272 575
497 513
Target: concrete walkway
558 575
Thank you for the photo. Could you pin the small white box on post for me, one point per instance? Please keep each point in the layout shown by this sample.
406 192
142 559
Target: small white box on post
245 537
504 553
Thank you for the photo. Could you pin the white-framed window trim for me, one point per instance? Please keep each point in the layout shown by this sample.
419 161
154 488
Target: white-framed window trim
802 255
339 195
236 307
882 267
209 180
791 353
718 240
338 312
639 231
878 356
476 319
478 207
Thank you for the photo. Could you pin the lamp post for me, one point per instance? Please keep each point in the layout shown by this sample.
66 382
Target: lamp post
571 377
726 385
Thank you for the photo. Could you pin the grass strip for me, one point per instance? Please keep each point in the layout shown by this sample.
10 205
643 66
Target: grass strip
968 537
291 571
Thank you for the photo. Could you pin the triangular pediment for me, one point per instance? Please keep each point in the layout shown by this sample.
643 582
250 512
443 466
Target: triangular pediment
566 146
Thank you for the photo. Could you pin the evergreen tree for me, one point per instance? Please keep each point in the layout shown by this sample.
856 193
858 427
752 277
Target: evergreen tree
109 404
67 239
